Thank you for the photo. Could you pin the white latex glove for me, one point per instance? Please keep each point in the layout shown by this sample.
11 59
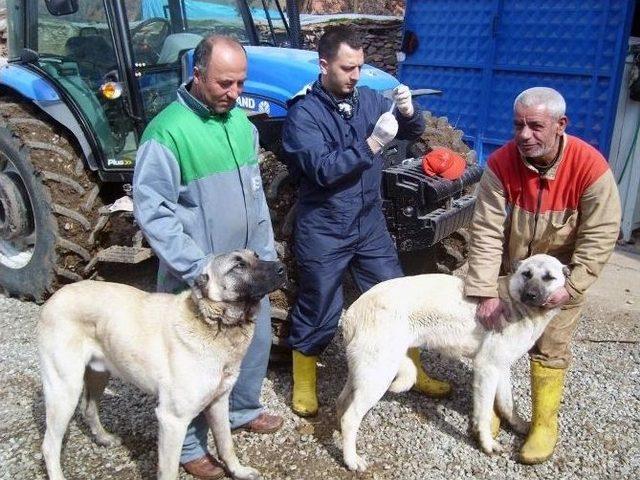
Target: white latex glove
385 129
402 97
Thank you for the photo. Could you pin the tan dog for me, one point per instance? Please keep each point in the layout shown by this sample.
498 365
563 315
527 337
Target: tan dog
432 311
185 349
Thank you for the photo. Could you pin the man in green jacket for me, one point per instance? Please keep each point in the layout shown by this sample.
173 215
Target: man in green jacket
198 192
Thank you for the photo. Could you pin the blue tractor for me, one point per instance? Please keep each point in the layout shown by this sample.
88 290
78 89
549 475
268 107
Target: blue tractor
83 79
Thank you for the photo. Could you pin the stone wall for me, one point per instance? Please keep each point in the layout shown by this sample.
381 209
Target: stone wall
3 29
382 39
378 7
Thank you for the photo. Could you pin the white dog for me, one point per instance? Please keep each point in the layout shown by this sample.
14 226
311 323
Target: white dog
432 311
185 349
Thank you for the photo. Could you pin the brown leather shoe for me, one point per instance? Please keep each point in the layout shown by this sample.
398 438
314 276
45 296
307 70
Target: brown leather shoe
204 468
263 423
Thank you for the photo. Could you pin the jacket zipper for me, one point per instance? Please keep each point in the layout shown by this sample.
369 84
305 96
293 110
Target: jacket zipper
537 216
244 195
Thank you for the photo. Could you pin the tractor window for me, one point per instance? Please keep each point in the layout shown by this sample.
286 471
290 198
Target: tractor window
215 16
161 30
77 51
54 32
269 21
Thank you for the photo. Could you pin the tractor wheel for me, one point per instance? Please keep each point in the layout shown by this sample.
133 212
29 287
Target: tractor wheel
48 205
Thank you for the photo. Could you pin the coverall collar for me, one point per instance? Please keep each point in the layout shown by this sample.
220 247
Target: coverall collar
346 107
199 108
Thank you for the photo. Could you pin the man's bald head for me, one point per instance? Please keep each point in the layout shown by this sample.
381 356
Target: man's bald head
219 72
223 46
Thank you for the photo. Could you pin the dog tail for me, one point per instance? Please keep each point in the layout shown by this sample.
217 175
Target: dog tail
406 376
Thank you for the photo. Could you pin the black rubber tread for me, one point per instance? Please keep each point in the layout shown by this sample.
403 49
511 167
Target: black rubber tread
60 189
90 201
62 179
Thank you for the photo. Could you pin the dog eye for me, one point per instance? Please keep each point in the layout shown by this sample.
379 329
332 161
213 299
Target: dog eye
548 277
527 274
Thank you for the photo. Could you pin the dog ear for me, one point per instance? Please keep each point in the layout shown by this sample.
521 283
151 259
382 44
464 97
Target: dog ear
202 281
199 287
566 270
515 265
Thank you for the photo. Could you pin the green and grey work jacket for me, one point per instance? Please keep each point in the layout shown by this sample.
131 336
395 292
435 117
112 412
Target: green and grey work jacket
197 189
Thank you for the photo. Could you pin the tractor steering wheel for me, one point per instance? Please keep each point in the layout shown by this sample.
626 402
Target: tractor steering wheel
147 38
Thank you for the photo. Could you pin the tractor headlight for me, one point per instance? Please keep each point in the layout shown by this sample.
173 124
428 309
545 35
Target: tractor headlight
111 90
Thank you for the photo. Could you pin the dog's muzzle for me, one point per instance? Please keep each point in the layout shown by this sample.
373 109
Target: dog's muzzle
273 275
533 296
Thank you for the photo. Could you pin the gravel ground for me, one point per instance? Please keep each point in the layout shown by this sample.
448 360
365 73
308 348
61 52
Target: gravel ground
406 436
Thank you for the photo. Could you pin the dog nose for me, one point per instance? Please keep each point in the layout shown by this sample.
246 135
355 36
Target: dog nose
529 296
280 270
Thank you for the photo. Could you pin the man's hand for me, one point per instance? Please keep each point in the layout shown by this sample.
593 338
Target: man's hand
489 311
558 298
402 97
384 131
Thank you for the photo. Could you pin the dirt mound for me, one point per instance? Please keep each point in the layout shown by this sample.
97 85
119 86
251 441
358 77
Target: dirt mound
440 133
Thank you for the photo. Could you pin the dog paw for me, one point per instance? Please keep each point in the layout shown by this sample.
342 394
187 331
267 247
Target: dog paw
357 463
108 440
246 473
491 446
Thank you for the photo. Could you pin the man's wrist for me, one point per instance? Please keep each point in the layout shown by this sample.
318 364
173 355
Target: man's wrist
409 113
375 145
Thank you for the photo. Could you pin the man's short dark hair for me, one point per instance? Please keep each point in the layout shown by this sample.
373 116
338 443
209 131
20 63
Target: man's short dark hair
333 37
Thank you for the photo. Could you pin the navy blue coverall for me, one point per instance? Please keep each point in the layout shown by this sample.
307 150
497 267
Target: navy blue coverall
339 220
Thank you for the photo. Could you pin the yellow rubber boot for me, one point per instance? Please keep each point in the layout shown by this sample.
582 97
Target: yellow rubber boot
424 383
546 393
305 399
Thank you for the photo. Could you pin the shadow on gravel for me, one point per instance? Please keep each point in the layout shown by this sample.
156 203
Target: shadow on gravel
38 415
426 410
125 412
129 413
460 376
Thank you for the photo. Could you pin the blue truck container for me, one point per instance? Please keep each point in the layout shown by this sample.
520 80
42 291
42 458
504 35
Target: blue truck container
482 53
